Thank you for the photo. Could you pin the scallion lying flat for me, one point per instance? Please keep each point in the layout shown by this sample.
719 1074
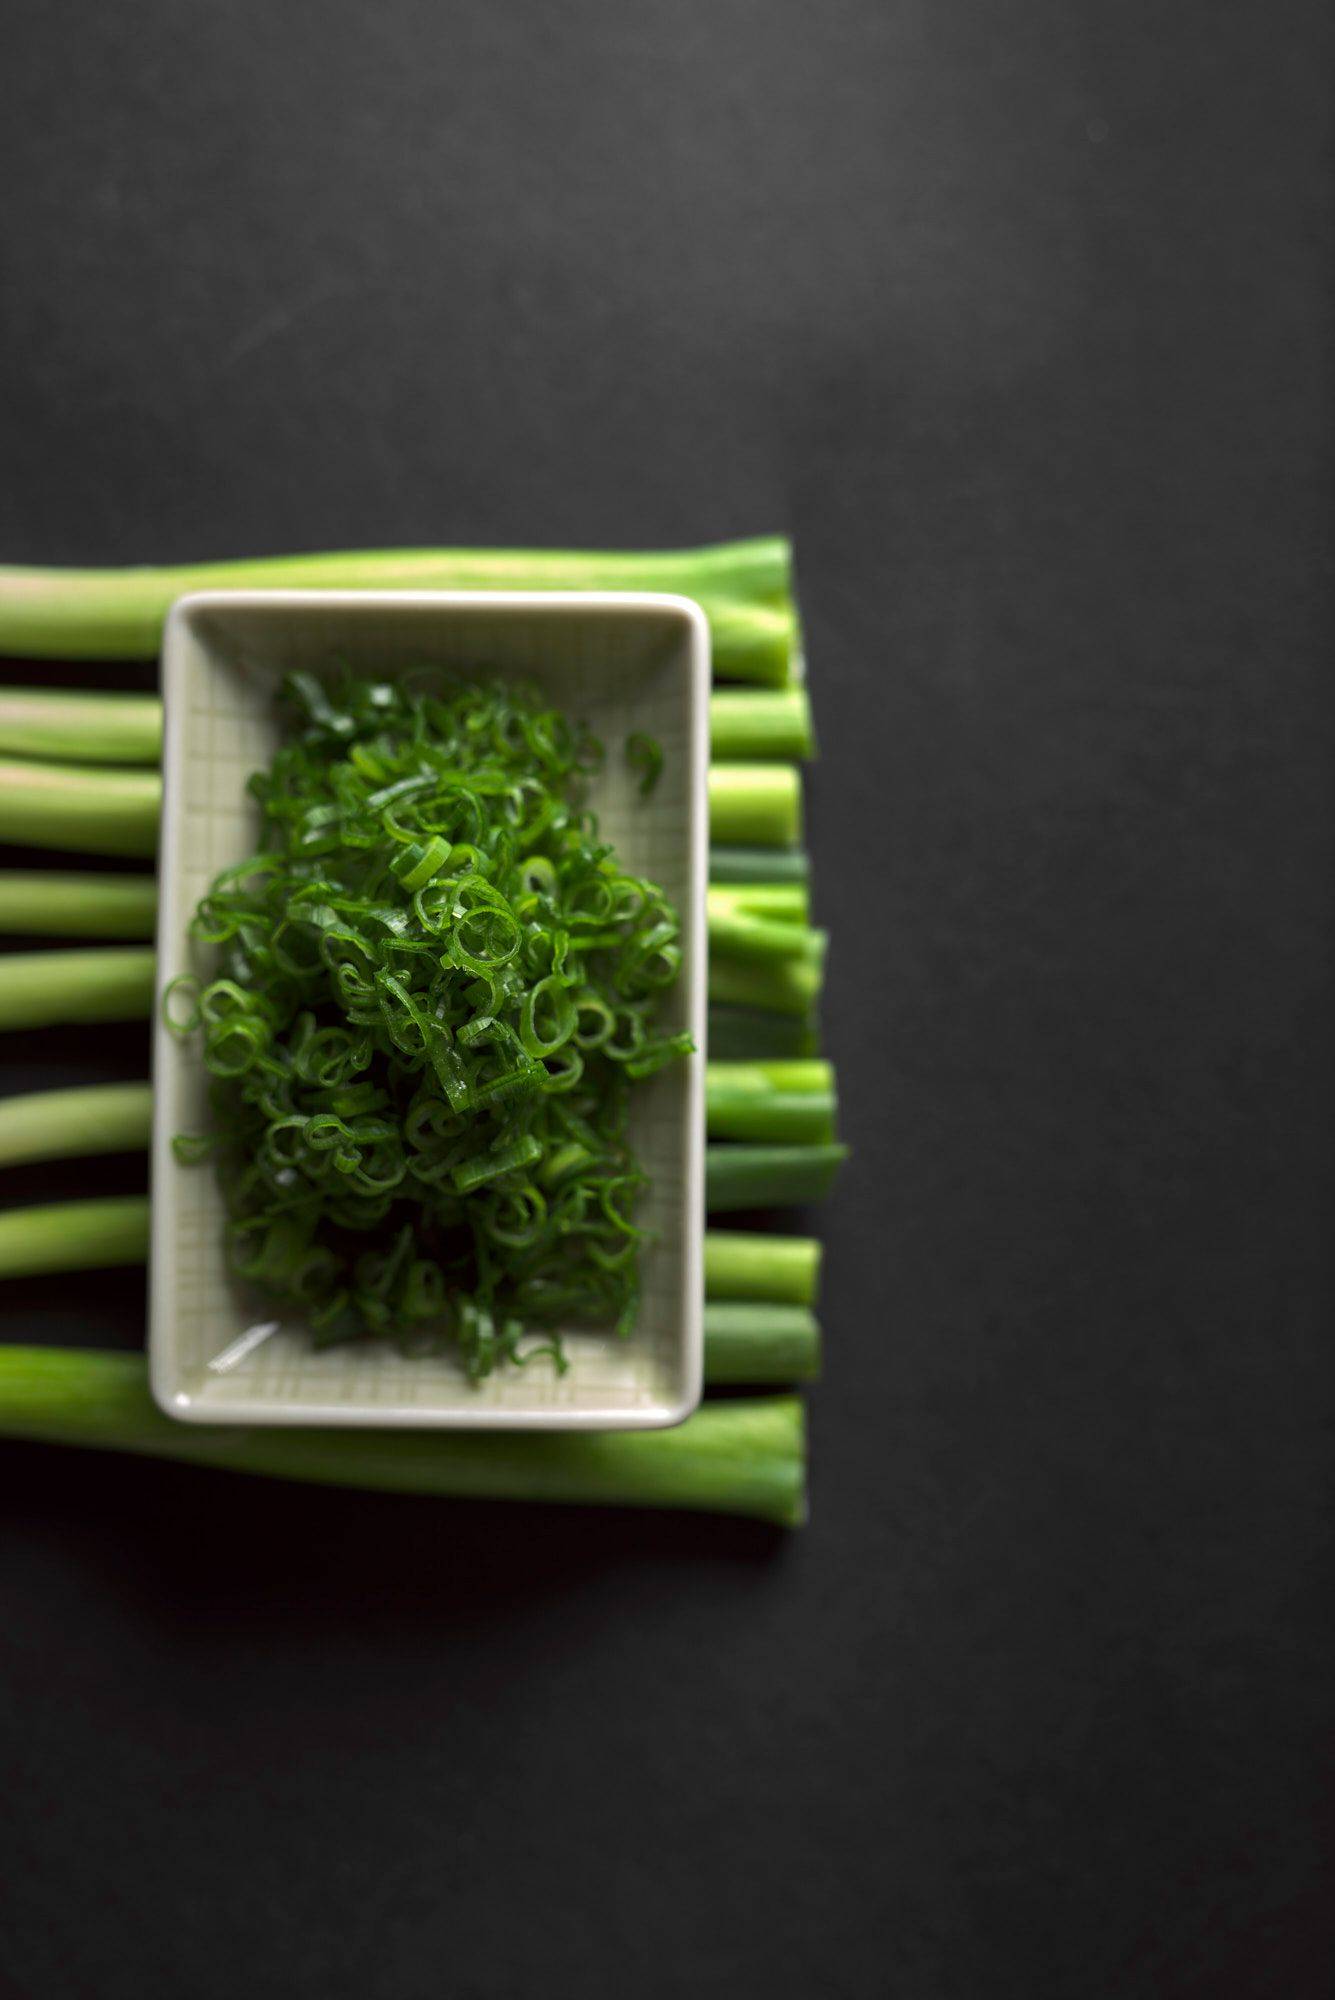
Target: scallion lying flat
744 1456
770 724
51 989
92 1235
80 808
45 903
99 809
76 727
744 588
788 1103
48 1238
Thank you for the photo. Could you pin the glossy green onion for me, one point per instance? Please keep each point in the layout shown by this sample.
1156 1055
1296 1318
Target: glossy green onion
73 1236
773 724
742 1176
759 1345
741 866
739 1456
790 1103
41 903
92 728
67 1124
782 1269
51 989
744 588
83 808
756 803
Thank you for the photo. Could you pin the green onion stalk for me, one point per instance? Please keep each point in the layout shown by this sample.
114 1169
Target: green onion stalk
744 588
748 867
745 724
49 988
44 903
791 1103
760 1339
41 903
84 808
740 1456
740 1034
52 989
75 727
741 1176
756 924
93 809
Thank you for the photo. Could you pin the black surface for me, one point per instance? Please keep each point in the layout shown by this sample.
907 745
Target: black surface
1020 319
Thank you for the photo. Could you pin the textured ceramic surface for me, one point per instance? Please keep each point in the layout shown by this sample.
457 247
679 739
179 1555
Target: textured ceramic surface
620 662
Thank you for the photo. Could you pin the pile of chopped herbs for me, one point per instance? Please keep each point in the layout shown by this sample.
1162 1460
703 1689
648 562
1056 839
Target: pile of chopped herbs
436 989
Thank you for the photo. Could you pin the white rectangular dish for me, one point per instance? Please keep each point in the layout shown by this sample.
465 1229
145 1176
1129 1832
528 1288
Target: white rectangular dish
619 662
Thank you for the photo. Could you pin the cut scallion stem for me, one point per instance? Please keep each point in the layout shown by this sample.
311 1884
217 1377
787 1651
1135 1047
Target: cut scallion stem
789 1103
83 808
736 934
773 724
51 989
744 1456
744 588
756 803
779 985
760 1345
772 902
68 1124
73 1236
768 1176
41 903
746 866
67 723
782 1269
737 1034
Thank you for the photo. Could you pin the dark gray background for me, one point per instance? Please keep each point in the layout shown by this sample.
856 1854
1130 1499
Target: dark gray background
1019 318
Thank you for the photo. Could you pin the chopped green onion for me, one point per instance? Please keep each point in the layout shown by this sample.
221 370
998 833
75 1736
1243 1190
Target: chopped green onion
644 754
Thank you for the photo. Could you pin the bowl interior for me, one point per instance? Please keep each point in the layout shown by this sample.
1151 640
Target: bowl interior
621 664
